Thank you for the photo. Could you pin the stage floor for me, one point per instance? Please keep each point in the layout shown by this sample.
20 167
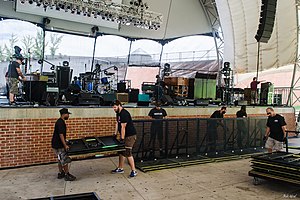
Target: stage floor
225 180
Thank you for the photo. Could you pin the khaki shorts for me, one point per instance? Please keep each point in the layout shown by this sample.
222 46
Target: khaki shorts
13 85
129 142
62 156
274 144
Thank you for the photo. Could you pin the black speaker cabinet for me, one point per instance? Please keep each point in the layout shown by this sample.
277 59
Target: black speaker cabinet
191 88
108 99
266 21
63 77
121 87
133 95
35 91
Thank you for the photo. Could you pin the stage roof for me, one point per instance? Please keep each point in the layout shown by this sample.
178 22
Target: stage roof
239 21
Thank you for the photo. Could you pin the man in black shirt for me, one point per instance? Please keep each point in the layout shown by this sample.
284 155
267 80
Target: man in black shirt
212 128
275 132
158 114
13 74
241 125
60 146
124 126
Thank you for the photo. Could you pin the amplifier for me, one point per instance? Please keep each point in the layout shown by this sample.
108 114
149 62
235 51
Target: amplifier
123 97
88 99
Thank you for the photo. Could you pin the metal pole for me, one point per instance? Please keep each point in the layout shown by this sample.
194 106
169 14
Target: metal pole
257 62
43 49
93 59
129 52
289 101
160 56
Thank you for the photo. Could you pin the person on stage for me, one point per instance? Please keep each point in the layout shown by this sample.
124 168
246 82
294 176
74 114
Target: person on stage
212 125
253 86
157 113
124 126
241 125
275 132
60 146
14 74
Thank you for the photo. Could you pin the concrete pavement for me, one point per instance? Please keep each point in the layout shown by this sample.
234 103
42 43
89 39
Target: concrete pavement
225 180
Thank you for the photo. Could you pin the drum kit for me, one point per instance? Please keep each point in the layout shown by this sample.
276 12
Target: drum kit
97 81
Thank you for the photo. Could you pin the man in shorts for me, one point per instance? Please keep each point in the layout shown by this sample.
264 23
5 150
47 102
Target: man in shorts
124 126
14 74
60 146
275 132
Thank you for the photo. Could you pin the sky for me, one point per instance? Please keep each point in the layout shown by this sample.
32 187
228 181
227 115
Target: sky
107 46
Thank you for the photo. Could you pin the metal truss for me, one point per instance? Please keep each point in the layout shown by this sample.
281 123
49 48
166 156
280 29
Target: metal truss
211 12
295 85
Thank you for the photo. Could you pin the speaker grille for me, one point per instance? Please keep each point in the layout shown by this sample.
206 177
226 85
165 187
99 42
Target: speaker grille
266 21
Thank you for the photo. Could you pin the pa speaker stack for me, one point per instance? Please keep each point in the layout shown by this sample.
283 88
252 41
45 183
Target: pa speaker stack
266 21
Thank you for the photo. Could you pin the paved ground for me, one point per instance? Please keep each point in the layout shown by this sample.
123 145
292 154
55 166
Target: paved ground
225 180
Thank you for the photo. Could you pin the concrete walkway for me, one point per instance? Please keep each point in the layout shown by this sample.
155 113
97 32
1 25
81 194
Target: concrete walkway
224 180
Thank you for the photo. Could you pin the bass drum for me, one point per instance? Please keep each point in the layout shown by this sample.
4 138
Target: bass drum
101 88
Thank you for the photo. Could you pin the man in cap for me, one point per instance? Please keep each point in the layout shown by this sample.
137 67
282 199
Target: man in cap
60 146
14 74
157 113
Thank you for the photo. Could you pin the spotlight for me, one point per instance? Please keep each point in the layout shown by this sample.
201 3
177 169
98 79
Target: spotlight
46 21
95 29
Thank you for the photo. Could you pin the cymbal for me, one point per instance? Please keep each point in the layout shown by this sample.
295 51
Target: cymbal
109 73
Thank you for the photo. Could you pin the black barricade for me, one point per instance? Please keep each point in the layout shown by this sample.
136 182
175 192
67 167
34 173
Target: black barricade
169 138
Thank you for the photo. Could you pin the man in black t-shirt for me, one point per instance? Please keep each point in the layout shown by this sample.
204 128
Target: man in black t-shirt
158 114
241 125
275 132
124 125
13 74
60 146
212 125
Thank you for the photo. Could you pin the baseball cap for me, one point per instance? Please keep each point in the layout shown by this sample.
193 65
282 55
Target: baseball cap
64 111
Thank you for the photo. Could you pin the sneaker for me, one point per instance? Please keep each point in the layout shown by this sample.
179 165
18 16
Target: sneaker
61 175
133 174
69 177
117 171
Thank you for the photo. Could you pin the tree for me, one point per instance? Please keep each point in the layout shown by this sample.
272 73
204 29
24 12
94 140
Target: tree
28 44
55 40
9 49
38 45
2 54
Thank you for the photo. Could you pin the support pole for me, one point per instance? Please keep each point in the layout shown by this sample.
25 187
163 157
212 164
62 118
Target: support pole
257 62
129 52
94 50
160 56
43 48
289 100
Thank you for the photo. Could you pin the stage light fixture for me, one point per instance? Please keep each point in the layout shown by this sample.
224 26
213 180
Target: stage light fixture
136 13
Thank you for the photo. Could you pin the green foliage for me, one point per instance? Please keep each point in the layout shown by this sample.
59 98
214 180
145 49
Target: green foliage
9 49
28 44
55 40
2 54
38 45
35 44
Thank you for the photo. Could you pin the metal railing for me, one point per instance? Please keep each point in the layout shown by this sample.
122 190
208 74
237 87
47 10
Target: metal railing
173 137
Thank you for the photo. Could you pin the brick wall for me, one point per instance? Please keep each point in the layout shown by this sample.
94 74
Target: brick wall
28 141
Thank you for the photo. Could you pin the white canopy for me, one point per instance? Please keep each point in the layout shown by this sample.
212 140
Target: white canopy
239 19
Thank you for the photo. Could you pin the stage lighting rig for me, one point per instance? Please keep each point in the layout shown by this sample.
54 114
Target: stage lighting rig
136 13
